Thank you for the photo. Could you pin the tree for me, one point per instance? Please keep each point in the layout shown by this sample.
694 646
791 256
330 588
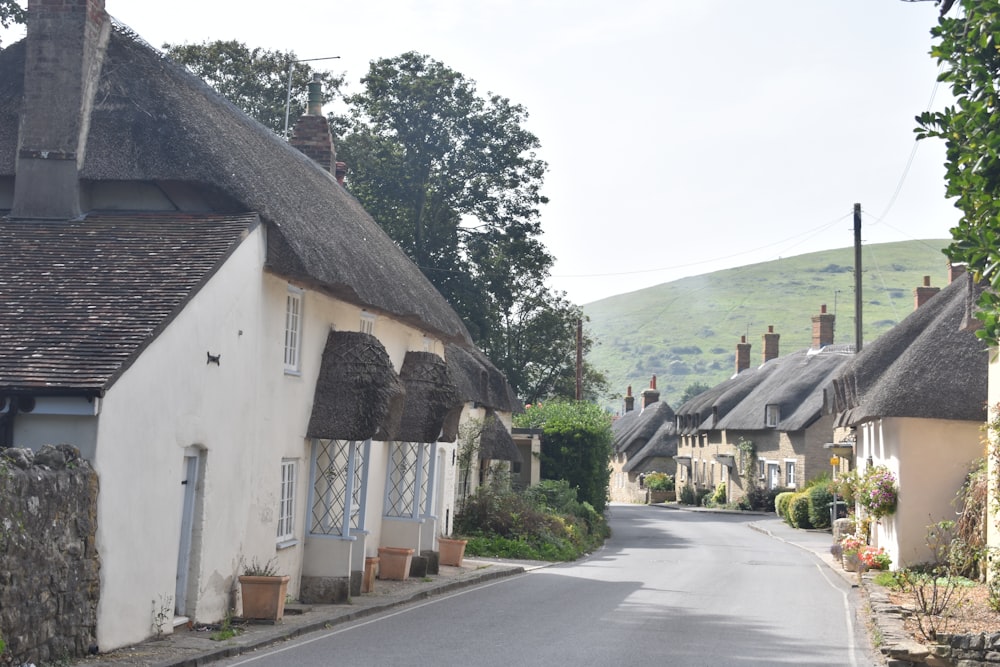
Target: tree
255 80
577 437
693 390
11 13
968 45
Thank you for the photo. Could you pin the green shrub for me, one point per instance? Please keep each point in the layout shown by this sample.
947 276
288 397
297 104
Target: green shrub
781 502
688 496
798 511
659 481
719 497
702 497
820 499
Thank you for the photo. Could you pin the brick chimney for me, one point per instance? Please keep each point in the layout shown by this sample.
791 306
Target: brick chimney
923 293
311 133
742 355
822 328
629 400
955 270
651 395
770 344
341 172
66 40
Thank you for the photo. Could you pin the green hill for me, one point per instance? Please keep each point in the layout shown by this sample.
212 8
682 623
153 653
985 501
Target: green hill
686 331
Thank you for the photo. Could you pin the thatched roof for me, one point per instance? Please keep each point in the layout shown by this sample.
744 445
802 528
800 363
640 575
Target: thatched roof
155 122
662 445
430 397
929 365
636 428
358 395
702 411
478 380
795 383
496 442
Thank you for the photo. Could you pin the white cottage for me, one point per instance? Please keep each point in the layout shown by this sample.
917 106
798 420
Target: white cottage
253 367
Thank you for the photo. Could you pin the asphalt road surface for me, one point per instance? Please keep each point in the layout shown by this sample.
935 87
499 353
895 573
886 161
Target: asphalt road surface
669 588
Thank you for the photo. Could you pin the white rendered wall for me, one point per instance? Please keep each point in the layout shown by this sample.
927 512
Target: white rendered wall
930 458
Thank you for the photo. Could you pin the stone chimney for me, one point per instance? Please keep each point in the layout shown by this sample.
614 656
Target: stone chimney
822 328
341 172
651 395
770 344
629 400
66 40
955 270
311 133
923 293
742 355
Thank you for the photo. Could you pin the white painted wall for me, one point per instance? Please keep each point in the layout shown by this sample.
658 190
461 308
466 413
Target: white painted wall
246 414
930 458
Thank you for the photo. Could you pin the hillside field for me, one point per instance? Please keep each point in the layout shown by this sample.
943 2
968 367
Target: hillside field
686 331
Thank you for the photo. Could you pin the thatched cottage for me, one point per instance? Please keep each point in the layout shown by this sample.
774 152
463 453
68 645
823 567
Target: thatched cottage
253 367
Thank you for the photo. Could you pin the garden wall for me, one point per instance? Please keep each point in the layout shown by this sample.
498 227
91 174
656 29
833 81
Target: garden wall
49 567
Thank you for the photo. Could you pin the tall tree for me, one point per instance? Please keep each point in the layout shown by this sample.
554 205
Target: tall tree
968 45
11 12
255 80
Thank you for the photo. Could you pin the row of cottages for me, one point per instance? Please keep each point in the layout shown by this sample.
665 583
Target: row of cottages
255 370
765 426
915 400
644 441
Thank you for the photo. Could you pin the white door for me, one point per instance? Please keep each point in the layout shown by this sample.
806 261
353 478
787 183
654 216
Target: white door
189 486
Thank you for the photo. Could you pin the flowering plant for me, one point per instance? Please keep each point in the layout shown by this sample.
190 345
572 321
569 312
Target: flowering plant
874 559
878 493
851 544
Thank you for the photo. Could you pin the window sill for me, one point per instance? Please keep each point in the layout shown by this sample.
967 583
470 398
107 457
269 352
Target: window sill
293 373
287 544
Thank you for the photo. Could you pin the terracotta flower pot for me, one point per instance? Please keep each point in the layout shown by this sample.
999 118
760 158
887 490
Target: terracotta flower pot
451 551
263 597
394 563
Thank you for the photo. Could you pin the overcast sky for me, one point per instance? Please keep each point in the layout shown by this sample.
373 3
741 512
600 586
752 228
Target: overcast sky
681 137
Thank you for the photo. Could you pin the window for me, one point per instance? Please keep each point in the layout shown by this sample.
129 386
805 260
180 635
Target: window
790 474
760 468
771 415
286 505
340 472
293 329
367 322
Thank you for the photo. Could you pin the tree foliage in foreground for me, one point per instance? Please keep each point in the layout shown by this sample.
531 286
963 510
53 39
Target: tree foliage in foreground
968 45
576 446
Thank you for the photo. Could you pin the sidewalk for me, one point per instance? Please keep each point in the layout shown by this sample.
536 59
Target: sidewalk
192 647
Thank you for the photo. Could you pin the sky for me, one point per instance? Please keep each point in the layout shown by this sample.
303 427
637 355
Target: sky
681 137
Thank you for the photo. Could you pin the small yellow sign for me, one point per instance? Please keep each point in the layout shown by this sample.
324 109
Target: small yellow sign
835 460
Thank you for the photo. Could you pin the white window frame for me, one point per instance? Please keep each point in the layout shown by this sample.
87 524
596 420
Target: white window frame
286 502
367 323
790 473
772 415
293 330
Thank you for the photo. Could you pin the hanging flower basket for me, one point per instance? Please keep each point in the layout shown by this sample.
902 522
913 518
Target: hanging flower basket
878 492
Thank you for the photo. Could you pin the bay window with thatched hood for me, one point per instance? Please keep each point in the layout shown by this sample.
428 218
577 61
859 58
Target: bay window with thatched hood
358 399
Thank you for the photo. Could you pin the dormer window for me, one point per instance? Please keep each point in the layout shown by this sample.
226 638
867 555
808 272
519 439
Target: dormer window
772 414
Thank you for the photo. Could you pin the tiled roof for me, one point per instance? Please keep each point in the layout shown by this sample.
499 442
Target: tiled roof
79 300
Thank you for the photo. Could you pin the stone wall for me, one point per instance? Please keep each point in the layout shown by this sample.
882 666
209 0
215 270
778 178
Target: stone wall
49 567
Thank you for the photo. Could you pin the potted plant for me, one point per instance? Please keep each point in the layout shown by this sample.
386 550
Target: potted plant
263 590
451 550
394 562
850 545
874 559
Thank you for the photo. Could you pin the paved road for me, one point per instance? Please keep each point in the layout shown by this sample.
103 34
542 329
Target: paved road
671 588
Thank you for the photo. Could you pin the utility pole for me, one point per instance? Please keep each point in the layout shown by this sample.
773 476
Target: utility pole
857 278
